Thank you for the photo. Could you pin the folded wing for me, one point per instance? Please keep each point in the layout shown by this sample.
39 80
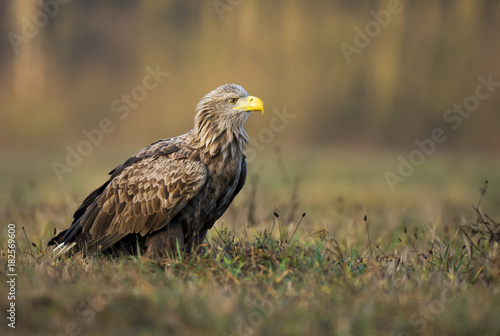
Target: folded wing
143 198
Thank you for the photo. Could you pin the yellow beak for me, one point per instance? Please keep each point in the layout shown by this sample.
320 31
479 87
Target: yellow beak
249 103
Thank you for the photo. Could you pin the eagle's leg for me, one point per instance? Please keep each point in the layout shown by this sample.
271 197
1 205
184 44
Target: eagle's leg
194 240
165 241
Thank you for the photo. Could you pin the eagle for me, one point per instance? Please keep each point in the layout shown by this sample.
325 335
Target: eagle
167 196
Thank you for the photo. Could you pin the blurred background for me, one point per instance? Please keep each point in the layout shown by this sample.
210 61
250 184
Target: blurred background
357 100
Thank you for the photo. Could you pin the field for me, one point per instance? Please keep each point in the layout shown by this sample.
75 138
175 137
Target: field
293 255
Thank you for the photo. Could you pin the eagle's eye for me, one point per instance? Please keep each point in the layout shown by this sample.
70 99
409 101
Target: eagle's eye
233 100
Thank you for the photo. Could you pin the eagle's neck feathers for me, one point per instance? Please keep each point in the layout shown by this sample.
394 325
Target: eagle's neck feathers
220 134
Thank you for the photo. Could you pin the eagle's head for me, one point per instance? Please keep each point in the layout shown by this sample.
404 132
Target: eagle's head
225 110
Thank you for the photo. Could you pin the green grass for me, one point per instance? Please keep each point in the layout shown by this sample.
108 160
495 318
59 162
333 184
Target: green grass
428 269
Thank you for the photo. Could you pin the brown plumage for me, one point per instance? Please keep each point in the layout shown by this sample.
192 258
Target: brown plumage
172 191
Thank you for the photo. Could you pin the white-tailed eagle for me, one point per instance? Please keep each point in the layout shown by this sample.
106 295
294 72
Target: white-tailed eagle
170 193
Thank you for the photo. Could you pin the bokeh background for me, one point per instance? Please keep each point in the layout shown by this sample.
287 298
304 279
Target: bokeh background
60 75
64 63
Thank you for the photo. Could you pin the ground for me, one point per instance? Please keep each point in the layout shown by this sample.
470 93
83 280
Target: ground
292 256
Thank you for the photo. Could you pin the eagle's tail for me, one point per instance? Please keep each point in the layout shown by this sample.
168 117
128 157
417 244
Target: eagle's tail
63 248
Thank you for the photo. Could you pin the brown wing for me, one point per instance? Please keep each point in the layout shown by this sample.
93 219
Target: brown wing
143 198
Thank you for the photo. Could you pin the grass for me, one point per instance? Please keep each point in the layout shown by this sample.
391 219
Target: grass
428 268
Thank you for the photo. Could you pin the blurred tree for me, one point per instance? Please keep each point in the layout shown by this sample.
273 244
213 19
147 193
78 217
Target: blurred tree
29 68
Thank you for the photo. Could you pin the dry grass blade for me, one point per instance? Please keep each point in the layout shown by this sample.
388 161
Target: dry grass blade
298 224
368 233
